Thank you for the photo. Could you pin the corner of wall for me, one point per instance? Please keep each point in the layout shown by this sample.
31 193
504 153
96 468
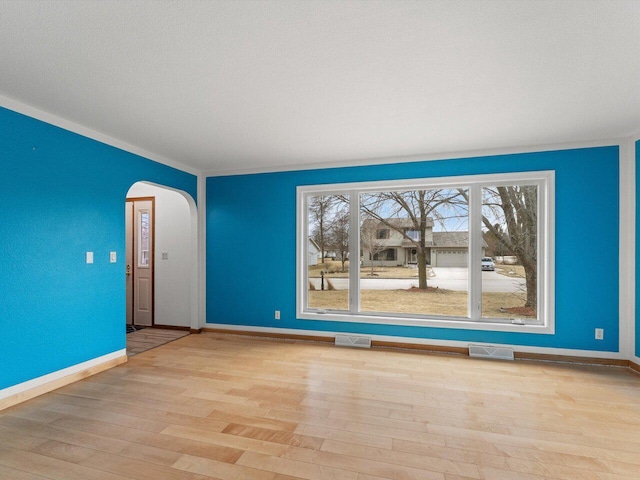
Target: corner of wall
634 324
627 248
200 320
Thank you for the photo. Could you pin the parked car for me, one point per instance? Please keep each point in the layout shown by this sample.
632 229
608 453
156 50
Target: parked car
487 264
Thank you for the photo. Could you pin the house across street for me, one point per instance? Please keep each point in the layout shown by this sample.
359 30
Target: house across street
395 246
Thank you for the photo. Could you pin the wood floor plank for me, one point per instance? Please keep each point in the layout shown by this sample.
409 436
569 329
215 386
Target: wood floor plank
297 468
134 469
52 468
233 407
224 440
394 457
275 436
66 452
9 473
221 471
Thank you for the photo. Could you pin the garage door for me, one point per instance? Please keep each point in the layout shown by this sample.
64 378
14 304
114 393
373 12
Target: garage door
451 258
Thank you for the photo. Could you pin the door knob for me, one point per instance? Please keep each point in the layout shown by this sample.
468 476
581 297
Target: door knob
128 270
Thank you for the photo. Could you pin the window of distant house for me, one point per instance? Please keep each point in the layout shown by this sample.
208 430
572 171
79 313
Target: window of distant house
413 235
386 255
382 233
470 252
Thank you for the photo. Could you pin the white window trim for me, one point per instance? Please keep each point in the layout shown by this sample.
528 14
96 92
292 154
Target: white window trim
546 252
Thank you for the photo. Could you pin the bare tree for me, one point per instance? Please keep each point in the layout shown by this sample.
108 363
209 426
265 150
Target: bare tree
321 216
494 245
419 208
338 237
510 213
369 238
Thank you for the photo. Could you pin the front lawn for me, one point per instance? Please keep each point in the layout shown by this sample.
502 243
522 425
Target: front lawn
434 301
516 271
334 269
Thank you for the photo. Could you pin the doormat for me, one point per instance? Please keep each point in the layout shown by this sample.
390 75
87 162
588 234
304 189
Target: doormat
133 328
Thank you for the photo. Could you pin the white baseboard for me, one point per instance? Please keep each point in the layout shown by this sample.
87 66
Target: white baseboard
32 388
422 341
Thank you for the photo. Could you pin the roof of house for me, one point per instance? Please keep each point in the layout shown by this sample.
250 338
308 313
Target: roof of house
452 239
440 239
312 241
395 222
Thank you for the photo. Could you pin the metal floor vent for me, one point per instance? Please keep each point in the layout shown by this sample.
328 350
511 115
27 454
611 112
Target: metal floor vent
353 341
487 351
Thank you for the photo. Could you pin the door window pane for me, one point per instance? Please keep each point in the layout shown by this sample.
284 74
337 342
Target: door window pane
144 242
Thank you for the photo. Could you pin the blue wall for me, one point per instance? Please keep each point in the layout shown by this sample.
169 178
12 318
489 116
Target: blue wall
252 217
62 194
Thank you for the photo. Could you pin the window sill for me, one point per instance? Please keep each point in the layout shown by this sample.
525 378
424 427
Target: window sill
460 324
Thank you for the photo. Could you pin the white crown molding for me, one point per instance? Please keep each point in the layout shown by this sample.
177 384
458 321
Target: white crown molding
53 119
421 158
421 341
50 118
635 136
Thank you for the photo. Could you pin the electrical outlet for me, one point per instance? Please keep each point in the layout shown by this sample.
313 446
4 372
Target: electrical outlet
277 315
599 333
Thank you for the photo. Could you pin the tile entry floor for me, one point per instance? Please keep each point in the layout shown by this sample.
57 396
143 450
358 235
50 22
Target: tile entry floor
148 338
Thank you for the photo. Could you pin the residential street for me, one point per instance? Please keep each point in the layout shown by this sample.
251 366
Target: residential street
447 278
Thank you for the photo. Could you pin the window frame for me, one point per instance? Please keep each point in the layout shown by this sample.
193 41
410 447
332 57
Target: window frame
384 236
545 322
386 259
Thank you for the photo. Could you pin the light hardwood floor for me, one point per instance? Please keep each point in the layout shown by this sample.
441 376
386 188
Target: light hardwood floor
231 407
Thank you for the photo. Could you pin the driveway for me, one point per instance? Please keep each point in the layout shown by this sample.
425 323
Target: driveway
448 278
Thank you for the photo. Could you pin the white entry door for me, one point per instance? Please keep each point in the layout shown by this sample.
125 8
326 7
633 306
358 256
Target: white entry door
139 256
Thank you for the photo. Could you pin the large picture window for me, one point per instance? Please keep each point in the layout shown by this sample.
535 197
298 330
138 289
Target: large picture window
464 252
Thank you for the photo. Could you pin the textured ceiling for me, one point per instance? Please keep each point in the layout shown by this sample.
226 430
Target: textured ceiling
253 85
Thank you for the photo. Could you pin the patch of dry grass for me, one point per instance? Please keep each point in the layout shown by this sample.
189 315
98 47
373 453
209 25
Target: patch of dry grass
516 271
335 269
431 302
333 266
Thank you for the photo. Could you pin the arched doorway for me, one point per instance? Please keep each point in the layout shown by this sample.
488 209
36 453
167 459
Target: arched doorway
160 264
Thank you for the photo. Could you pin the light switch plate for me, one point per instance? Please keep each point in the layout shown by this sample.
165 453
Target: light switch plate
112 257
89 257
165 255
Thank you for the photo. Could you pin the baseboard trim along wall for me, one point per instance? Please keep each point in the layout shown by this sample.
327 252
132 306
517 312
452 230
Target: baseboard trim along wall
448 347
171 327
32 388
